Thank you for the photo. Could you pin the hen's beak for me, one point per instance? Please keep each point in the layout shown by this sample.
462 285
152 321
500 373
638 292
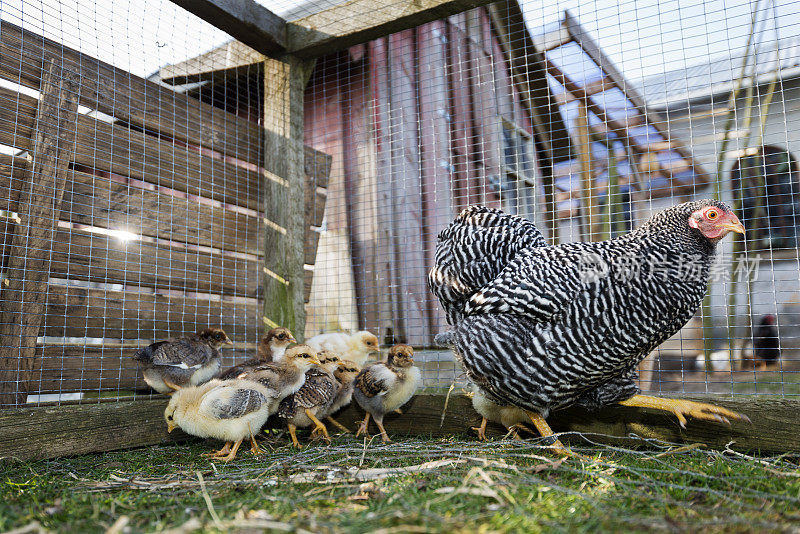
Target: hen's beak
733 225
170 427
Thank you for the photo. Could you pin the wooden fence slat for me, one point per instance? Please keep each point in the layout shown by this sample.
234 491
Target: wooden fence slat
17 117
29 264
129 97
98 313
70 368
98 258
97 201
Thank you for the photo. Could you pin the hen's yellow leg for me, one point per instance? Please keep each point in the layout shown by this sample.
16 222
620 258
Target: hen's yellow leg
337 424
481 430
318 425
515 430
232 455
545 431
363 429
684 408
293 434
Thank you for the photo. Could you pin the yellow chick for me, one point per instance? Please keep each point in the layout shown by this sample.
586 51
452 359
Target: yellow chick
356 347
381 388
286 376
228 410
507 415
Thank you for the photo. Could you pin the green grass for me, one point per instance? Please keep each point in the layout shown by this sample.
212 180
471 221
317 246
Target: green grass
496 486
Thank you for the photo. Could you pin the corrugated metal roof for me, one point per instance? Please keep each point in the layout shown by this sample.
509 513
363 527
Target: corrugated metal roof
719 76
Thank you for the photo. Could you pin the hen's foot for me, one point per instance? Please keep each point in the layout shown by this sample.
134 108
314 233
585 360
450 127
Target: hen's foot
686 408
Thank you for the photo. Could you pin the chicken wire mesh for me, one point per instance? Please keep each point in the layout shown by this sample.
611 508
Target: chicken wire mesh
584 118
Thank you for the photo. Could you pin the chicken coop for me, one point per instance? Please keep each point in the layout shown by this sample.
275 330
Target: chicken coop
169 166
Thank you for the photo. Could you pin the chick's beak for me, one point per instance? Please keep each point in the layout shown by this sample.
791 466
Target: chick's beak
292 339
315 361
733 224
228 341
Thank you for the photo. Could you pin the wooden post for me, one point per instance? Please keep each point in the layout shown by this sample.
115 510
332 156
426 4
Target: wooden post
584 146
284 83
22 302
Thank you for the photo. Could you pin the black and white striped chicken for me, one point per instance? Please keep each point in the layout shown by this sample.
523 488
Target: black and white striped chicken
544 327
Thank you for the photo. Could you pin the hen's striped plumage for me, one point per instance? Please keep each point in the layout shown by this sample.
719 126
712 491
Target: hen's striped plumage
551 326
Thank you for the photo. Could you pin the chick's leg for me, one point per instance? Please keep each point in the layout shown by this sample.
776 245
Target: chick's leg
546 432
254 448
293 434
684 408
232 455
481 430
222 452
337 424
364 427
384 435
319 426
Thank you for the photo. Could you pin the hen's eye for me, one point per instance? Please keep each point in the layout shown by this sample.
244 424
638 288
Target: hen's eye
713 214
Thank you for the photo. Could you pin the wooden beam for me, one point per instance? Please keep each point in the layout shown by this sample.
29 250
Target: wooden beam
35 433
284 85
23 301
589 212
245 20
231 59
596 54
359 21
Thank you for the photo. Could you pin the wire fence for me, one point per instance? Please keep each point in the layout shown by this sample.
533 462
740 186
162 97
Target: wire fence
137 204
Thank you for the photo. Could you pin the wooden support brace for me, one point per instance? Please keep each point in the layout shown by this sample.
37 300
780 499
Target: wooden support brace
284 83
22 303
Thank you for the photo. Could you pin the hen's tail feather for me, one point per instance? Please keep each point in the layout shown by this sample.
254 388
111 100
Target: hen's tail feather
472 251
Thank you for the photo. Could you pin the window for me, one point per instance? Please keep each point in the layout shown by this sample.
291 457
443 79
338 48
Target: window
767 185
517 185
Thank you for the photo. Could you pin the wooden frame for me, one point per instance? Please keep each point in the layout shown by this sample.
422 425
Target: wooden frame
38 433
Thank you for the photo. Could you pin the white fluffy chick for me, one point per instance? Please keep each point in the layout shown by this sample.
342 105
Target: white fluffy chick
507 415
356 347
381 388
228 410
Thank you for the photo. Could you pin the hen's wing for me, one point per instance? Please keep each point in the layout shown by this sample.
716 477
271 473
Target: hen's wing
539 283
473 250
230 403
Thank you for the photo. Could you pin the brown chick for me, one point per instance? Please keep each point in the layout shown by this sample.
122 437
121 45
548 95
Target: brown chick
345 373
187 361
381 388
305 407
286 376
271 348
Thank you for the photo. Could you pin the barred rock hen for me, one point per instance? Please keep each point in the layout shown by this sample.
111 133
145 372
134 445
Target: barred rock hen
545 327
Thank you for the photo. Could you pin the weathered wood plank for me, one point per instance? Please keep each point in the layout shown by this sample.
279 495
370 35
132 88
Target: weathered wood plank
284 84
359 21
98 258
117 204
83 429
98 313
33 433
17 117
70 368
29 263
129 97
245 20
115 148
231 59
